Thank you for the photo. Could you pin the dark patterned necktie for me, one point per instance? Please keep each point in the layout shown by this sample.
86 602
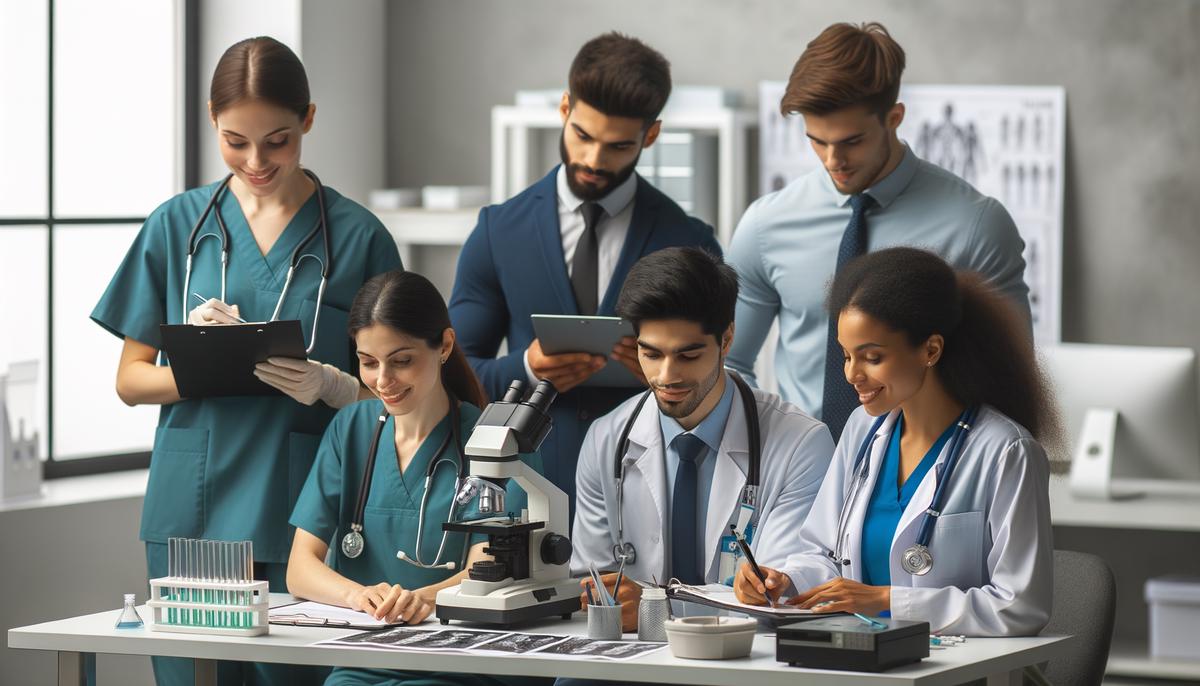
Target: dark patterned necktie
839 398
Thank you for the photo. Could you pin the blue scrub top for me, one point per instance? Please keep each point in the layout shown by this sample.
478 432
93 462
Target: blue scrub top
888 502
326 505
231 468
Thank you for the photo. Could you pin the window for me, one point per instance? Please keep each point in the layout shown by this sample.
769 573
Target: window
92 133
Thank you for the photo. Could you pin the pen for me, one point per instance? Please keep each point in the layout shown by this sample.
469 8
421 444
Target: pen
591 597
741 541
873 622
202 299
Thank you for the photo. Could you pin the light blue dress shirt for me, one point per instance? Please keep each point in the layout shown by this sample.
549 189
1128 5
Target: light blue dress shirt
785 252
710 430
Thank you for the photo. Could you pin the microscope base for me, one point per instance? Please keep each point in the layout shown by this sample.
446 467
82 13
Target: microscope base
512 604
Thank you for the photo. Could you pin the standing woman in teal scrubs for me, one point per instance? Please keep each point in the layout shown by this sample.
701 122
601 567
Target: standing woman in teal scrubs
231 468
408 357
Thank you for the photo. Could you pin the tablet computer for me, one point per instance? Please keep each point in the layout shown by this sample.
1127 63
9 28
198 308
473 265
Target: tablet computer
573 333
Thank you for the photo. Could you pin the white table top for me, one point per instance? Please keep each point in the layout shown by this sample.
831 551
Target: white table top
94 633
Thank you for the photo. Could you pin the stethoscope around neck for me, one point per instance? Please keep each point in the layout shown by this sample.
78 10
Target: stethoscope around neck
298 255
916 559
354 542
624 551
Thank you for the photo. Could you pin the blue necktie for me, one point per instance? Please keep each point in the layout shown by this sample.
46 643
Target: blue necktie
685 554
839 398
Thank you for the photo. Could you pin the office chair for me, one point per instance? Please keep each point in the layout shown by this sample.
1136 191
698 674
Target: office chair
1085 601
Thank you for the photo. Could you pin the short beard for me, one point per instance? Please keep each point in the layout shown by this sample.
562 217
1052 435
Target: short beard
587 192
687 407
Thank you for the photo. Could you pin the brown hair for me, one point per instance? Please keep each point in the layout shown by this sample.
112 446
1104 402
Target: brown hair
409 303
846 66
260 68
620 76
988 355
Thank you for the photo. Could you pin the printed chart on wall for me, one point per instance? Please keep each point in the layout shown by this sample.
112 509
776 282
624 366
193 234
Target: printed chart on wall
1007 141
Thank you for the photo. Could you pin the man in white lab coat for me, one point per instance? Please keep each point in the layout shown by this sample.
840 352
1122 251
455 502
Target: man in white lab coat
688 455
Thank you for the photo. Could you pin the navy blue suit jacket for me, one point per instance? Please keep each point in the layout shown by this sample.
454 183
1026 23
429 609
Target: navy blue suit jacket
512 266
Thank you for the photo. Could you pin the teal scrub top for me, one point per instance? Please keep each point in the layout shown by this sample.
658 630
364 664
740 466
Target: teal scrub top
889 499
326 505
231 468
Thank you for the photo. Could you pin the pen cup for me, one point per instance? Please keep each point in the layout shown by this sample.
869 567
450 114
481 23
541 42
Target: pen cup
604 622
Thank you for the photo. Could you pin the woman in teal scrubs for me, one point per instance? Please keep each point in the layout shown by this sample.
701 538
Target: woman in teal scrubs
408 358
231 468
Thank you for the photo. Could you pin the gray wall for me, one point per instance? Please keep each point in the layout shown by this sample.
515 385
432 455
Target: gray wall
1130 67
65 561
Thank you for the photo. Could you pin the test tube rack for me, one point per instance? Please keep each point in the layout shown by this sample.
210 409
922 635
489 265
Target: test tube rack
224 608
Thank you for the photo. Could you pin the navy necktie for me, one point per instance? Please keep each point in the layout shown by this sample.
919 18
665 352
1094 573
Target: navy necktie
685 554
585 264
839 398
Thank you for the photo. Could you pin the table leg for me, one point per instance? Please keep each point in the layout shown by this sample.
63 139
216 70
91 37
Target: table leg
206 672
72 669
1010 678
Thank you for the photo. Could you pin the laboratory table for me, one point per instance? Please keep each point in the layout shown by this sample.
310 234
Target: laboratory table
999 660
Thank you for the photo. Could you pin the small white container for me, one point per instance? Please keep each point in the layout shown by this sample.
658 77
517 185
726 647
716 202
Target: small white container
711 638
394 198
454 197
1174 616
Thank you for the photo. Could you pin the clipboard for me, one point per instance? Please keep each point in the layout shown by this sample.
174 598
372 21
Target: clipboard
573 333
218 361
721 597
308 613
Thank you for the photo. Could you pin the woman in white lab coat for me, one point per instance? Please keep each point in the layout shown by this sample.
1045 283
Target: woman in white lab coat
926 350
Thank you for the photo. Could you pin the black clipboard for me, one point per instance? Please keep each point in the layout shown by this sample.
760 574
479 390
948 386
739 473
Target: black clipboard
571 333
218 361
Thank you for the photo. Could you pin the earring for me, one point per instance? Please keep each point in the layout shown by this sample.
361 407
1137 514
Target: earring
929 363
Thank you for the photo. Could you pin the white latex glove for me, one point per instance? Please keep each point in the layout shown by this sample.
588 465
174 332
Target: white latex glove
308 381
213 311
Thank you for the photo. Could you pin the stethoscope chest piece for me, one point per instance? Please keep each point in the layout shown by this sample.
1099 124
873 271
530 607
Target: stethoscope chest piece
624 553
917 560
352 543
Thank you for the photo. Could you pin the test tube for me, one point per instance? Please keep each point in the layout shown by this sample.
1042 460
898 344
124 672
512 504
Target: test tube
171 562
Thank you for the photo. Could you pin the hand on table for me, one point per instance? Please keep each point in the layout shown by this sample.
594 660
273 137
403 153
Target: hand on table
845 595
391 603
750 590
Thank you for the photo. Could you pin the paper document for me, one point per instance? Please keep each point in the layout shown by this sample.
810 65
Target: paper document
722 596
309 613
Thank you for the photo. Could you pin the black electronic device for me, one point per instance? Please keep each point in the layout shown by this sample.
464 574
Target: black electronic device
847 642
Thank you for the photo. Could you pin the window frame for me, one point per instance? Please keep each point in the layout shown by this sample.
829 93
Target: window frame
190 26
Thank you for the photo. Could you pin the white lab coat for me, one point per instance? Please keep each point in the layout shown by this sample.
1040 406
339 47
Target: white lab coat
796 453
992 546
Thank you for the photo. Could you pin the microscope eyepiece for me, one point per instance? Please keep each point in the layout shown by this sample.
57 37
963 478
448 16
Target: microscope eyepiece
542 396
516 390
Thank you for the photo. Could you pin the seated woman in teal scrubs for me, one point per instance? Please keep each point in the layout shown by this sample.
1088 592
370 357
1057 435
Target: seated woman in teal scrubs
230 468
936 505
408 358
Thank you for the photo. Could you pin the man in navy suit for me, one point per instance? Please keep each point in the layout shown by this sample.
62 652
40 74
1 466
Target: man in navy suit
565 244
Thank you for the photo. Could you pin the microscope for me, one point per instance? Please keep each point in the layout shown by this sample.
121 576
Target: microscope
528 577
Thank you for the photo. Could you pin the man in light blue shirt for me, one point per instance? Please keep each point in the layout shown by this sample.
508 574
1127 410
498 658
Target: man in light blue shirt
685 448
872 192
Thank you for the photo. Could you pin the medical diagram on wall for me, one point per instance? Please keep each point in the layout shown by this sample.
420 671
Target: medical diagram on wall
1006 141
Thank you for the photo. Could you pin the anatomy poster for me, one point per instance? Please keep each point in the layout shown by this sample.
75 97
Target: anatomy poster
1007 141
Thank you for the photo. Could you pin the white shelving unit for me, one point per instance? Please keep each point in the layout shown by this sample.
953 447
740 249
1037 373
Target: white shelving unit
418 226
512 125
1167 506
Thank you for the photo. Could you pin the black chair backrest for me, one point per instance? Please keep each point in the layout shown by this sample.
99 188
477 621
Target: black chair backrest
1085 601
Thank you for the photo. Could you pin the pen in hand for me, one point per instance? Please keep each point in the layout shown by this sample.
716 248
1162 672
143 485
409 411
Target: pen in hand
741 541
202 299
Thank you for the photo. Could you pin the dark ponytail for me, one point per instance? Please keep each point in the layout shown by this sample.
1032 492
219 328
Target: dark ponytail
409 303
260 69
988 355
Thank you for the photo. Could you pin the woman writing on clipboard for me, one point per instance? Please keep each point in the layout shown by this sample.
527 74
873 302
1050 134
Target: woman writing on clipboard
230 468
935 506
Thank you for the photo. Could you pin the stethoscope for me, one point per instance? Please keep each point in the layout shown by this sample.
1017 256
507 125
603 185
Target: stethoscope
623 551
322 226
916 559
353 542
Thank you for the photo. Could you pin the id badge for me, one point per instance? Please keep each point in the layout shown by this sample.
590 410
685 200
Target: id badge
728 559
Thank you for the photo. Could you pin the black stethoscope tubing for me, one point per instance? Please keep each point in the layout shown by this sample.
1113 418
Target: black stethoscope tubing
364 489
624 551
